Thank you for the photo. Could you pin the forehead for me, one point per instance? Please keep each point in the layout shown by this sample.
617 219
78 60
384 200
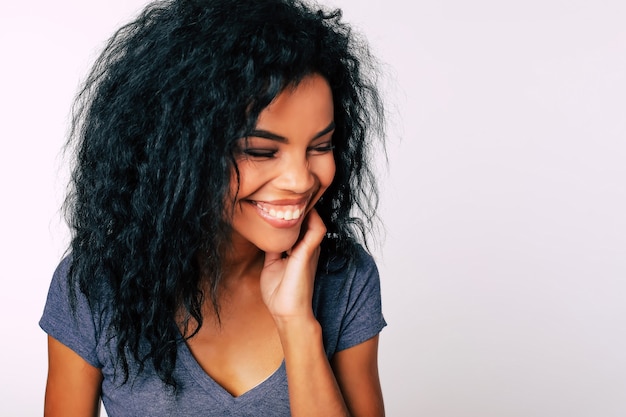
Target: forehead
308 104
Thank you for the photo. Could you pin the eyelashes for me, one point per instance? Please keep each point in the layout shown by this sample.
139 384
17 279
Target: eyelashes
268 153
259 153
323 148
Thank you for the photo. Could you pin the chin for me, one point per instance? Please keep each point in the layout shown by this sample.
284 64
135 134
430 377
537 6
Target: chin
278 244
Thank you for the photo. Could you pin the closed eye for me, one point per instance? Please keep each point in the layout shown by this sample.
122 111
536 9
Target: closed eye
259 153
322 148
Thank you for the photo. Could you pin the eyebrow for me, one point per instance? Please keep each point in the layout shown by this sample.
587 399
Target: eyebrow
260 133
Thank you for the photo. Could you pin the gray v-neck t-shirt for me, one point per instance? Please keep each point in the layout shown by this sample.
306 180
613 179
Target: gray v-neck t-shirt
346 303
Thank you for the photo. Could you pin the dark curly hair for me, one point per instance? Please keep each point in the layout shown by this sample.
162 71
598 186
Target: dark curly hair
154 130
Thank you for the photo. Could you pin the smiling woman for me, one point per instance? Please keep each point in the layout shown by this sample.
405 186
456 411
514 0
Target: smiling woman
214 269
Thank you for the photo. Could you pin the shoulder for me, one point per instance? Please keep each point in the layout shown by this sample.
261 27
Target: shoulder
60 293
357 268
68 316
347 300
62 272
353 256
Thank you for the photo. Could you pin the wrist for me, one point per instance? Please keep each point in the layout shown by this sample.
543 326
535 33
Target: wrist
298 329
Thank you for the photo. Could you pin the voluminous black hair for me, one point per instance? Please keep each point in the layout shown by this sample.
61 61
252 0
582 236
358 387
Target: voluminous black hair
154 131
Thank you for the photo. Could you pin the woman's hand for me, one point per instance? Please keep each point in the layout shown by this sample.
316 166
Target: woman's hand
287 282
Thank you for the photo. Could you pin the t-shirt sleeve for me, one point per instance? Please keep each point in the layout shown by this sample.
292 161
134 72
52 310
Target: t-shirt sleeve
363 317
74 328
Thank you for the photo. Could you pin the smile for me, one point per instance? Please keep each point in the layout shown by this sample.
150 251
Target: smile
282 211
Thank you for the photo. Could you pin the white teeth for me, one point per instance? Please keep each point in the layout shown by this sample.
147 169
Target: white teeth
287 214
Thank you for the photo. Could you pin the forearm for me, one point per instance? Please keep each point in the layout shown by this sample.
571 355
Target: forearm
313 389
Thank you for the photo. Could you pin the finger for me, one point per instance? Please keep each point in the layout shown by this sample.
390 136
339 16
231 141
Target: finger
313 232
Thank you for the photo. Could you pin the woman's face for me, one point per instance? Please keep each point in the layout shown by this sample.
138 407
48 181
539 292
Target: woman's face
285 165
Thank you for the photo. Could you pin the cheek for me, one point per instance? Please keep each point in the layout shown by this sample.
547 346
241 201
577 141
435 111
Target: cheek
327 173
239 185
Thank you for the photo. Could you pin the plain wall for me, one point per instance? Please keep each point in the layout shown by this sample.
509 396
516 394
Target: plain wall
504 201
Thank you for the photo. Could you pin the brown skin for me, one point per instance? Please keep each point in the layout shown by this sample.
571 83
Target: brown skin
356 370
266 298
239 352
73 387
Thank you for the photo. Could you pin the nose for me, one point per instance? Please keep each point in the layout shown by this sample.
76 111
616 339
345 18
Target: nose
295 175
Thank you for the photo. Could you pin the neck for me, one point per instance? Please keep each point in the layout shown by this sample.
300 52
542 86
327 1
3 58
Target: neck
242 260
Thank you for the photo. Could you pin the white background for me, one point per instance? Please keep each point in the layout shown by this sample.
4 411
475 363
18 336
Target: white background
504 263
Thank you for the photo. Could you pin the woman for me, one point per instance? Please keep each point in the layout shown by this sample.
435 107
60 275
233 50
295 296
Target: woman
221 153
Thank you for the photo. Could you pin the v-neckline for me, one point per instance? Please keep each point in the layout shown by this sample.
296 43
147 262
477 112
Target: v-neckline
219 392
